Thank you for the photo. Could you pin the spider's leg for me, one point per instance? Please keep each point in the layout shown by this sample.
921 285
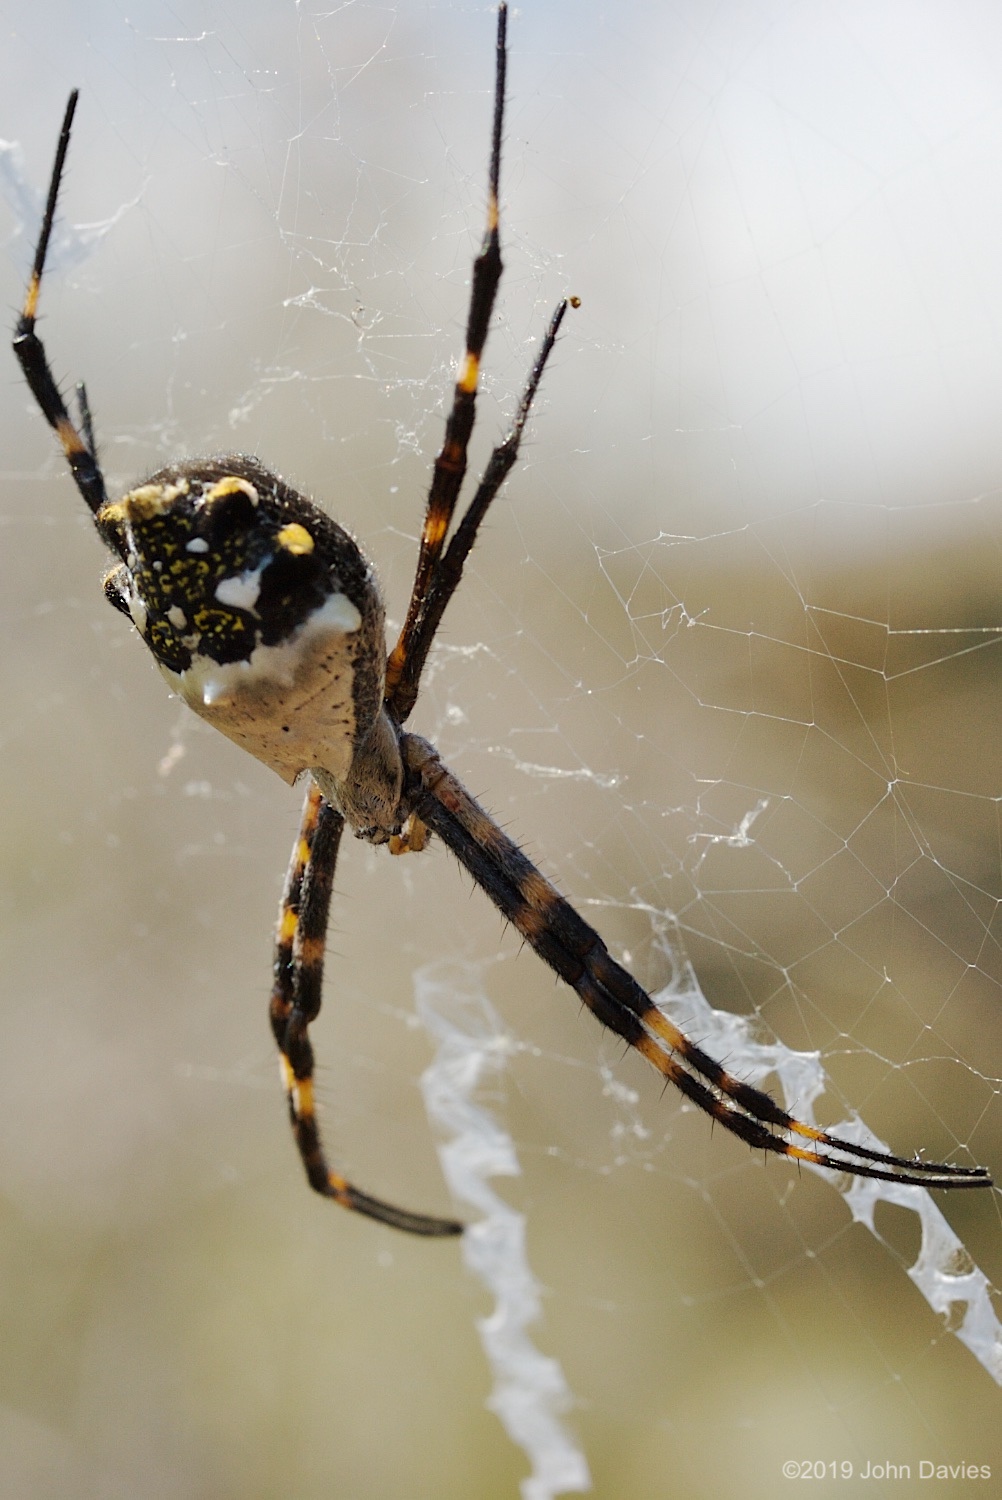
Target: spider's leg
78 447
450 465
437 575
409 656
576 952
295 1003
86 419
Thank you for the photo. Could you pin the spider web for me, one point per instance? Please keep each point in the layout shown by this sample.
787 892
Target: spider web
726 663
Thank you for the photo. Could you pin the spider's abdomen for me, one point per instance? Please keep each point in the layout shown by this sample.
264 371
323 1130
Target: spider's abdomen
262 613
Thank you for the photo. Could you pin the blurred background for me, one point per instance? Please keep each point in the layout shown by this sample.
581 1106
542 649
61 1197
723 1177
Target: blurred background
726 661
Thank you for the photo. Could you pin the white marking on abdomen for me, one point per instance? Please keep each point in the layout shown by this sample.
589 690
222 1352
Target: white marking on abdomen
290 705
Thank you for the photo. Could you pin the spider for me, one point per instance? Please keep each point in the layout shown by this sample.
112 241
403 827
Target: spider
264 615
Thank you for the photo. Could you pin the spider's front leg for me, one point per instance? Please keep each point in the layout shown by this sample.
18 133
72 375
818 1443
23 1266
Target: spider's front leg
77 443
295 1003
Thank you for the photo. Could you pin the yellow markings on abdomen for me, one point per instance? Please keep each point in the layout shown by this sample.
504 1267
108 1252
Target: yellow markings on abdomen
231 484
143 503
295 539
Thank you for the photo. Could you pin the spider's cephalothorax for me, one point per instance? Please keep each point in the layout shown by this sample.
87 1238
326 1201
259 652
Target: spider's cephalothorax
265 617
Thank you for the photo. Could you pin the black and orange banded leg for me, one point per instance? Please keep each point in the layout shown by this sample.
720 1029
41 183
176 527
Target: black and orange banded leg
449 568
578 955
436 576
295 1003
450 465
77 445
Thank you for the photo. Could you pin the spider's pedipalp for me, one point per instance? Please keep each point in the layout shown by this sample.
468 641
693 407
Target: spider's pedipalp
566 942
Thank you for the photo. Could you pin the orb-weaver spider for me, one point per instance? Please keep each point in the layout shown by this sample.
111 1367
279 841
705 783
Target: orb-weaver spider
265 617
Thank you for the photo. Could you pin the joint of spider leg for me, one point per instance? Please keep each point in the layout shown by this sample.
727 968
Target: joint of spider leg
488 268
441 584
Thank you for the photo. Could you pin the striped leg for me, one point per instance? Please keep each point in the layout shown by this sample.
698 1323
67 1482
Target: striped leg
438 573
407 660
295 1003
576 952
450 465
77 445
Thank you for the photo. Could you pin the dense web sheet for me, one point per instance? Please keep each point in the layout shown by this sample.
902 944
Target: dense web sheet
944 1273
530 1391
726 662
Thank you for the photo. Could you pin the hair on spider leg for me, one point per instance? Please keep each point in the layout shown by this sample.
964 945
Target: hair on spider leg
265 617
86 421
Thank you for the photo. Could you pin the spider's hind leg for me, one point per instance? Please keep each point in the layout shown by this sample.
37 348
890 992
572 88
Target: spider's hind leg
564 940
295 1003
